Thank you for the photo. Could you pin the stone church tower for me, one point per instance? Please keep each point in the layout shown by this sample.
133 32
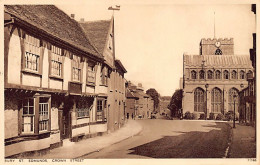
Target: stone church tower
213 77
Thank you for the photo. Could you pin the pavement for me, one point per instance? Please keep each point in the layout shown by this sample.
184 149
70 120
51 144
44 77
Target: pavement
72 150
243 143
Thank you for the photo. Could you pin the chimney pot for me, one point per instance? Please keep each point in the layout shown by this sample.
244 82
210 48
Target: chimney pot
72 16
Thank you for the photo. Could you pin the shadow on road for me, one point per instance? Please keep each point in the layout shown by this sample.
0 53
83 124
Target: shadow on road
194 144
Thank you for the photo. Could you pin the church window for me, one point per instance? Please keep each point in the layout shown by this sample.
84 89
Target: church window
242 74
226 74
218 52
234 74
199 100
193 74
210 74
218 74
202 74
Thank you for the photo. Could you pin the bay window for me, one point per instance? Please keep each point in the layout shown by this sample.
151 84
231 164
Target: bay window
83 107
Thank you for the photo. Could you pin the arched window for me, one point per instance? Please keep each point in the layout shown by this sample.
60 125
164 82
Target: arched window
193 74
199 100
234 74
242 74
231 93
216 100
210 74
217 74
218 52
202 74
226 74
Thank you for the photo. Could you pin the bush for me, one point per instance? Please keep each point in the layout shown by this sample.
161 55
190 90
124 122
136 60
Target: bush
220 116
202 116
211 116
230 116
188 115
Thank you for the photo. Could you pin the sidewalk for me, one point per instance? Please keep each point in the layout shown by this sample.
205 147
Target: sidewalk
84 147
243 143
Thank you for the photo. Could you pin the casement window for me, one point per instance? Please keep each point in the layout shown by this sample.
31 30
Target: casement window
28 115
76 69
83 107
101 109
56 61
32 53
91 74
43 113
104 76
35 110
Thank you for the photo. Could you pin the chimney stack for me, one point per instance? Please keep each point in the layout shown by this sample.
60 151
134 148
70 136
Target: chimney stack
81 20
72 16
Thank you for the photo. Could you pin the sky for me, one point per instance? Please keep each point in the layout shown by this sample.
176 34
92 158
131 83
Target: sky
151 38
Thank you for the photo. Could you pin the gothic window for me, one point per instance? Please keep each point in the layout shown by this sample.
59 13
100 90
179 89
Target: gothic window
218 74
216 100
242 74
199 100
234 74
218 52
226 75
193 75
202 74
210 74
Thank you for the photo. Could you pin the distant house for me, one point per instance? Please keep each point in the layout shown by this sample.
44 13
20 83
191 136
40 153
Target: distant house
131 104
163 105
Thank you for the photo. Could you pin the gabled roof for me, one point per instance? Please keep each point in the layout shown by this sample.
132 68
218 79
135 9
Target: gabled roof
53 21
118 62
97 32
130 94
218 60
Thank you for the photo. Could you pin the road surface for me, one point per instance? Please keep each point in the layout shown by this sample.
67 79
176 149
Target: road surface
172 139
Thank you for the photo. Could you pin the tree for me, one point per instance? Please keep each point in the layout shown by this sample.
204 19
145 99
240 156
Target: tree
155 95
176 103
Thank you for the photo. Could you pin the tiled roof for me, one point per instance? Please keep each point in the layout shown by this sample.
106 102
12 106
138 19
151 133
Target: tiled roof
130 94
218 60
50 19
97 32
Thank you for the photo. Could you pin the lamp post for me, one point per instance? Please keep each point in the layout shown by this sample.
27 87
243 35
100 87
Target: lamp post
206 86
234 114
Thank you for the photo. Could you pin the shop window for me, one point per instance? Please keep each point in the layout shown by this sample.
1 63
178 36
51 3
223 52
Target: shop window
28 116
83 107
32 53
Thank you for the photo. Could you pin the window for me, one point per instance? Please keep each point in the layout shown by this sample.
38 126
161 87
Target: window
226 75
234 74
193 75
56 61
218 75
83 107
99 110
210 74
202 74
91 74
43 113
28 116
32 53
242 74
218 52
104 76
76 69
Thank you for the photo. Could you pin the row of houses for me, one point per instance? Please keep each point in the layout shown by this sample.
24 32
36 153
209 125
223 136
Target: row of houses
62 80
139 105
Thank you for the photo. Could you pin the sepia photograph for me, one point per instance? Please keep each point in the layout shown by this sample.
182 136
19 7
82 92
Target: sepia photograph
128 79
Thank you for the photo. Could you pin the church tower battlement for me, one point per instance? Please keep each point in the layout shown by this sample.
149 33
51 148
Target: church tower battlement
217 46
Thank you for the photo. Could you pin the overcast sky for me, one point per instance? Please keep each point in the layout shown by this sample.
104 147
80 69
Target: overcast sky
151 38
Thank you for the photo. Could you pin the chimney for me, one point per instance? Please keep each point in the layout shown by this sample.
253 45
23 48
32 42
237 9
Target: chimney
81 20
72 16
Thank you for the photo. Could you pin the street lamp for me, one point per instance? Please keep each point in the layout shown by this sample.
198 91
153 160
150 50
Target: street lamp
206 86
234 114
